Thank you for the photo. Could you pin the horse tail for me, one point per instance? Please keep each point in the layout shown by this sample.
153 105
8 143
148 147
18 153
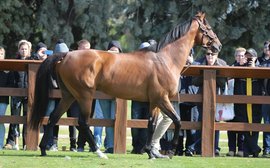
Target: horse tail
43 88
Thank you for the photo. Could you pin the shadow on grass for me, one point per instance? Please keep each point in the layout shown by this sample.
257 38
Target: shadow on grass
9 153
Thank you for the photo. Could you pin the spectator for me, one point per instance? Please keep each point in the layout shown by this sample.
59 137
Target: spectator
6 81
139 110
84 44
61 47
250 146
210 59
20 81
40 54
188 111
74 109
236 138
108 111
265 62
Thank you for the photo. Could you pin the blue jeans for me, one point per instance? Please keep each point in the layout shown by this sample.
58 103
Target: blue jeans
198 135
98 130
108 112
266 120
51 106
3 108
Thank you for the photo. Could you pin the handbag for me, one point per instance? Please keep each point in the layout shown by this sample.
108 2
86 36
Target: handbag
225 111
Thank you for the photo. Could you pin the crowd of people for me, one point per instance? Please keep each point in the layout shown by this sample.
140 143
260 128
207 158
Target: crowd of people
241 144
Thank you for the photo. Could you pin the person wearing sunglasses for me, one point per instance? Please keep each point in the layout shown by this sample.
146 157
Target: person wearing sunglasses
211 59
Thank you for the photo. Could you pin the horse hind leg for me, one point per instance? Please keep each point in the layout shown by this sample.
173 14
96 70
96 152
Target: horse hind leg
85 105
61 108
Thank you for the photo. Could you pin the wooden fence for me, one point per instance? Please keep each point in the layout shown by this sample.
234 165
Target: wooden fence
208 99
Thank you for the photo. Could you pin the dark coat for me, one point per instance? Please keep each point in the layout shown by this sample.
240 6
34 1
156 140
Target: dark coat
266 82
220 82
240 88
6 81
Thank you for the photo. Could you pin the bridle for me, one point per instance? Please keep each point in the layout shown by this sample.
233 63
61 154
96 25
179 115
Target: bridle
205 30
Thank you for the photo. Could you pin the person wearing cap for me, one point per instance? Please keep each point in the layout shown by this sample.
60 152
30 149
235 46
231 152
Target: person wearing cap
108 111
20 81
139 110
265 62
40 54
210 59
61 47
249 113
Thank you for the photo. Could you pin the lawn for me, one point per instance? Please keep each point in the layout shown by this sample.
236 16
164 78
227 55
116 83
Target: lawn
68 159
30 159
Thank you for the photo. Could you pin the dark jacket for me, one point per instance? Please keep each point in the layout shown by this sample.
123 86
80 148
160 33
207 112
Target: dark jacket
6 81
20 78
266 83
240 88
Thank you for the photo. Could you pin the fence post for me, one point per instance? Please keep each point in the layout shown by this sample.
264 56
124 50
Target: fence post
120 126
32 137
208 113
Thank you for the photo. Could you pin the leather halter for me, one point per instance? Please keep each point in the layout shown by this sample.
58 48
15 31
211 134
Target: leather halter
206 29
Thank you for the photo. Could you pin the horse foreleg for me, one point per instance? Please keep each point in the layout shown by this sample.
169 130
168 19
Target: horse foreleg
169 113
152 144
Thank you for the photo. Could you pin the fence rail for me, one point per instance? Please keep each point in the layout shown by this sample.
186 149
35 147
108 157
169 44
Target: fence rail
208 99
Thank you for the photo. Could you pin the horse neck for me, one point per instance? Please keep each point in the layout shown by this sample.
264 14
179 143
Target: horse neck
175 54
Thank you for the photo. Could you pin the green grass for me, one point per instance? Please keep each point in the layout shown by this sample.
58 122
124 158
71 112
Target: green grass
73 160
66 159
69 159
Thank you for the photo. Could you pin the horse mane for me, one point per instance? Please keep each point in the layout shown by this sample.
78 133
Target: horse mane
177 32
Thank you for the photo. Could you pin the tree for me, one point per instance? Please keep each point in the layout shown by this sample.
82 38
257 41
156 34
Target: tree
237 22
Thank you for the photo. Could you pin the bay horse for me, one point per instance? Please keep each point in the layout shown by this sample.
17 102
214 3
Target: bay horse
144 75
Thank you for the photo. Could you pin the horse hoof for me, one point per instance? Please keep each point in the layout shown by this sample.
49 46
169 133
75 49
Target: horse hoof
101 154
43 152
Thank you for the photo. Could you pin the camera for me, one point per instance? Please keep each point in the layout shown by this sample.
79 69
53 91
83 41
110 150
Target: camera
48 52
249 60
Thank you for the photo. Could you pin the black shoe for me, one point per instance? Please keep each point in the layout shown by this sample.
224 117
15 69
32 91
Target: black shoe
109 150
72 149
180 153
216 152
266 153
256 154
189 152
246 154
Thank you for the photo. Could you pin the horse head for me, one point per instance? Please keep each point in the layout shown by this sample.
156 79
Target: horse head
206 37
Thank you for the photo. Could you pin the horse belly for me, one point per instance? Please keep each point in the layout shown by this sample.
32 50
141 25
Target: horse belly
126 92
